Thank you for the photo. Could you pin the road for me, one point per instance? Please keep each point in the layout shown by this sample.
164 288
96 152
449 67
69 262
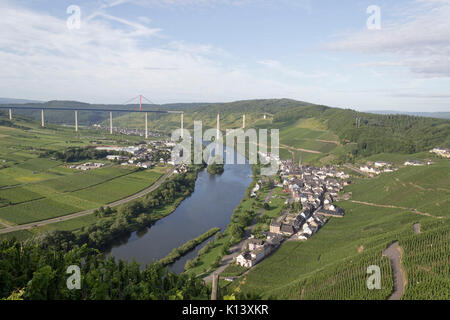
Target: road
86 212
300 149
413 210
239 247
348 166
394 253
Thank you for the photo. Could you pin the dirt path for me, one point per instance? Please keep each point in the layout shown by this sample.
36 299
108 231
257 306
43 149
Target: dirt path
86 212
5 224
416 228
328 141
348 166
413 210
299 149
239 247
394 253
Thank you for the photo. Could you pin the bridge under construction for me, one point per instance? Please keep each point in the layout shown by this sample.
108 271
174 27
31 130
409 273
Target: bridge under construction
43 109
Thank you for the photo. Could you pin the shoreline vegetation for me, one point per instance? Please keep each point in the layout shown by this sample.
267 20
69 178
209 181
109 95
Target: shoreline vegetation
116 223
209 257
30 272
215 168
179 252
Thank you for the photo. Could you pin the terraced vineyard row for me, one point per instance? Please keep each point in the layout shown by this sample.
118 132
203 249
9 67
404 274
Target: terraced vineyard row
426 260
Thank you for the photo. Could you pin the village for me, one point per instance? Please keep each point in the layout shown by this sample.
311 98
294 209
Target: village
315 189
144 156
129 131
373 168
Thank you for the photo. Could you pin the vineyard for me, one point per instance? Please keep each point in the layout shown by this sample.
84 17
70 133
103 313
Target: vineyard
426 260
345 280
348 280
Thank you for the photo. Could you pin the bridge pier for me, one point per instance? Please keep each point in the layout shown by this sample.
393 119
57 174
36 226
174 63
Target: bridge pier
218 126
146 126
182 124
10 114
42 118
76 120
110 122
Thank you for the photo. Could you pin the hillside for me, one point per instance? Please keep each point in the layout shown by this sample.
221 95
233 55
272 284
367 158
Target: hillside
311 132
16 101
333 263
330 265
308 133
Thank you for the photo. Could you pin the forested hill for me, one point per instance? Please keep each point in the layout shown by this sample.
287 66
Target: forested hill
375 133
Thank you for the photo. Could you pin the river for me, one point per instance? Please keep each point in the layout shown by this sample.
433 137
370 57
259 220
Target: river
210 205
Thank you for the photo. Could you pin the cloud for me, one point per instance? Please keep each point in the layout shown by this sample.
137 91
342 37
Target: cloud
419 42
278 67
303 4
110 59
325 78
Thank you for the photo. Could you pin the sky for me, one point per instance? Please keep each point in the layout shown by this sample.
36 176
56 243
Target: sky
335 53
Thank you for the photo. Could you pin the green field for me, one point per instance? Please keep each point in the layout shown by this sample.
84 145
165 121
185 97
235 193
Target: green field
57 197
34 188
425 188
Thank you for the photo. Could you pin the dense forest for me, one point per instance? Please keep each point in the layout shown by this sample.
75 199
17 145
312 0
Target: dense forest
388 133
34 272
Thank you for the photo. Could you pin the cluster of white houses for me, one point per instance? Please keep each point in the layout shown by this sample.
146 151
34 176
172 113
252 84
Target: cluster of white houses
87 166
443 152
315 188
377 167
258 249
129 131
144 155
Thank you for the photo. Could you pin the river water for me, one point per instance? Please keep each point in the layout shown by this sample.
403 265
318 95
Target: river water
210 205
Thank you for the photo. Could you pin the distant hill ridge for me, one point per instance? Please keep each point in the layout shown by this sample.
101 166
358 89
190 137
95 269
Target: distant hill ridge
362 133
441 115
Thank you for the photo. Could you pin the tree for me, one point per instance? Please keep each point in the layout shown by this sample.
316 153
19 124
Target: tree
40 286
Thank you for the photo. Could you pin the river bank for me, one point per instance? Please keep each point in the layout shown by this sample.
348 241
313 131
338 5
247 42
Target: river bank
210 205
